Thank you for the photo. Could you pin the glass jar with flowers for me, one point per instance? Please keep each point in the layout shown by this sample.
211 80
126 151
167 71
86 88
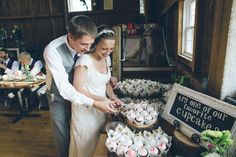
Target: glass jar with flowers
217 142
27 74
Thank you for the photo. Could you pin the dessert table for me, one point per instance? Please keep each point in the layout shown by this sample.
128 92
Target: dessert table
181 144
22 84
101 149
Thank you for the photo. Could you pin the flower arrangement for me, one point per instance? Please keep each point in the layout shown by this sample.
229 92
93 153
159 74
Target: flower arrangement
27 72
217 142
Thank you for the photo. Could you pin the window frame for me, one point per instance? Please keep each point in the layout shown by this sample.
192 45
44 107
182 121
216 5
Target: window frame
183 56
69 4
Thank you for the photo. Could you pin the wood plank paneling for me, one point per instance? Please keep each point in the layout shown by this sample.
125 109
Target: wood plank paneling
40 20
123 12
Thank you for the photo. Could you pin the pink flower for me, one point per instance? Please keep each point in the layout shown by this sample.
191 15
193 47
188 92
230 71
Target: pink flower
209 146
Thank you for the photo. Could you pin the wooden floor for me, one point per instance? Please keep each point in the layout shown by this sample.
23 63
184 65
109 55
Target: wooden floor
30 137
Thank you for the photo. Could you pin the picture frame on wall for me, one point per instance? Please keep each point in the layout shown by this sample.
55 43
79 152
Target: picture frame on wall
108 4
14 53
133 49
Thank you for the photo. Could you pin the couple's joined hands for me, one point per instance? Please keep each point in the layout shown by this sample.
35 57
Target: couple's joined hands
108 106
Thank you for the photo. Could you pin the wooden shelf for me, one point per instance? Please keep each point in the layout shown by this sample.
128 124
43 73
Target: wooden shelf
148 68
30 16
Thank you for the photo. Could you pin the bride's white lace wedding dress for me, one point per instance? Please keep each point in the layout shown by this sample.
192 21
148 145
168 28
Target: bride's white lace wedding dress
86 123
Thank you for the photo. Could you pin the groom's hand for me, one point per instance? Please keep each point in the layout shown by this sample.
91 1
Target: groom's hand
104 106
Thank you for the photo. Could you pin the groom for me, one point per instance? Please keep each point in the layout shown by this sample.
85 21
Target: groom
59 57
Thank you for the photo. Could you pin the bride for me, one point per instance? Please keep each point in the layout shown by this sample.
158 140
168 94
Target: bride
91 77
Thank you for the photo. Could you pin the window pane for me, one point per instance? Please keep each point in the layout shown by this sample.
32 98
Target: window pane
189 46
188 27
189 40
77 5
141 7
189 35
192 13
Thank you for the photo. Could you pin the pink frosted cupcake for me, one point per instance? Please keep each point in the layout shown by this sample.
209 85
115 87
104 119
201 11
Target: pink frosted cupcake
112 145
163 147
154 152
131 153
142 152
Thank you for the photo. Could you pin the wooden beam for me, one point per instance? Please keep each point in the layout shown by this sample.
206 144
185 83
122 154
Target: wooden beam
167 5
218 46
116 55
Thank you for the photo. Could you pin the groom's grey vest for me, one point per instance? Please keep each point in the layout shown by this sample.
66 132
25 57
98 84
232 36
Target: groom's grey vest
68 63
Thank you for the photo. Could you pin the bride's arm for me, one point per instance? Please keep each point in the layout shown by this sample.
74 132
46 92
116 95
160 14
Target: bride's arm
111 95
79 78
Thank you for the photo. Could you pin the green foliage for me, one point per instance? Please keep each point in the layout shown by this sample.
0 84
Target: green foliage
216 141
182 80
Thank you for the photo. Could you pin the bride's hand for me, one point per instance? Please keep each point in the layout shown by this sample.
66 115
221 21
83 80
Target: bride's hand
117 103
104 106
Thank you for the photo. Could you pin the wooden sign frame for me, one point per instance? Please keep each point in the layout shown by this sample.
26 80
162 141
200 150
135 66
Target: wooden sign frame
222 109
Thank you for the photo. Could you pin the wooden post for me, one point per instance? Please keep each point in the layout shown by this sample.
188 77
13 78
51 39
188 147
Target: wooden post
116 55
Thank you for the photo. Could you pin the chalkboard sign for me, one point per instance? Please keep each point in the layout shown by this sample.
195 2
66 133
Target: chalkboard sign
200 116
196 112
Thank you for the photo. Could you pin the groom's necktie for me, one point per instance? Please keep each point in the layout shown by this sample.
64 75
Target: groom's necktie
75 58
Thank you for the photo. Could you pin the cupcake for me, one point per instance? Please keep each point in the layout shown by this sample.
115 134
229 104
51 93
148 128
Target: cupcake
144 105
131 153
139 120
121 150
149 109
154 151
131 116
127 142
139 109
148 119
163 147
142 152
144 113
164 139
112 145
154 113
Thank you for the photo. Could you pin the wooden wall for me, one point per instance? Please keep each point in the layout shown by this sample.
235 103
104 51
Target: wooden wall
40 20
211 40
44 20
169 20
124 11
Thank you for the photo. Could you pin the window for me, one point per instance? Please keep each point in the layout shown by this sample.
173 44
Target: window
79 5
141 7
188 27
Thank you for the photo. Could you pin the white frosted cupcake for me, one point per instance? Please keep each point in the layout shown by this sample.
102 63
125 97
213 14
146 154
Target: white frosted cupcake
149 120
144 113
139 120
131 116
142 152
150 108
154 113
121 150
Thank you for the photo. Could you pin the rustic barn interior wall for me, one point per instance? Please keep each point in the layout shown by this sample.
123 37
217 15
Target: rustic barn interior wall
169 20
123 12
40 20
